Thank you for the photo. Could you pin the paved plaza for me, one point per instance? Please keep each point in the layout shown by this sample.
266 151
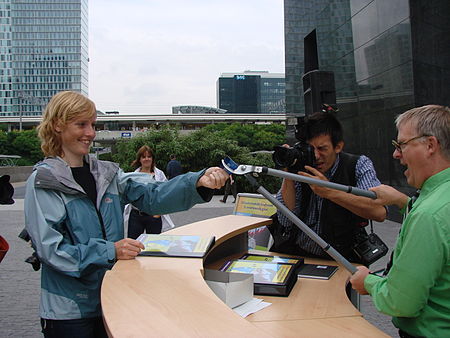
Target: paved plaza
20 284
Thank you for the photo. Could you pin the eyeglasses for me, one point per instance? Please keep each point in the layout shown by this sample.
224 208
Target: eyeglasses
398 145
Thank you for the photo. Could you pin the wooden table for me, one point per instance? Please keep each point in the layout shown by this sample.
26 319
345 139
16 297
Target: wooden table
168 297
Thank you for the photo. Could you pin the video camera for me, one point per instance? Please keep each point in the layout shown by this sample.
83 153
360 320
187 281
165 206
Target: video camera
296 157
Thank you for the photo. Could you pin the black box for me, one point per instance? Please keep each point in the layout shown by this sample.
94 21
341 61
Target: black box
269 278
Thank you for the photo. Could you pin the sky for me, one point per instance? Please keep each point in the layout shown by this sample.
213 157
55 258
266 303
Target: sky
146 56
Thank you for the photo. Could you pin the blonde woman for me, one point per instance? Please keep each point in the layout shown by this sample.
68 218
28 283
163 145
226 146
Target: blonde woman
73 214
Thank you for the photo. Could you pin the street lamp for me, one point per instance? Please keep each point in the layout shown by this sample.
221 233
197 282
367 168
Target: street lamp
20 97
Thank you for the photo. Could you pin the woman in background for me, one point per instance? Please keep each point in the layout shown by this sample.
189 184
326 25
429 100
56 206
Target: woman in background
139 221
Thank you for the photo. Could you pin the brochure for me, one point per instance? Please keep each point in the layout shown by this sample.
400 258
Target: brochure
297 261
175 245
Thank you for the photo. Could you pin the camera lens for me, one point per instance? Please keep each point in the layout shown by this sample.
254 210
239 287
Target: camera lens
294 158
284 157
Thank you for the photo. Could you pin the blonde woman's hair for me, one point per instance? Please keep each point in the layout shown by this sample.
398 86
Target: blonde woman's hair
63 108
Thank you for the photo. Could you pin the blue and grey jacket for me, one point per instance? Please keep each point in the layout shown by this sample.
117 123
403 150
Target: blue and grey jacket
74 247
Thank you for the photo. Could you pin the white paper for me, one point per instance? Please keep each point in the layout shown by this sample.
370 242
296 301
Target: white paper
252 306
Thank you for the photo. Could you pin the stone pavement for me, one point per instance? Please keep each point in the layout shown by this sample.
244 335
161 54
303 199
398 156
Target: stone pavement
20 284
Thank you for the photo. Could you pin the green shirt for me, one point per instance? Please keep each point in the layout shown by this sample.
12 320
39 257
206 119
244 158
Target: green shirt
416 291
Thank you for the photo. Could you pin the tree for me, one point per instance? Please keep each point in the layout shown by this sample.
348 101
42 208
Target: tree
3 143
24 143
200 149
163 142
253 136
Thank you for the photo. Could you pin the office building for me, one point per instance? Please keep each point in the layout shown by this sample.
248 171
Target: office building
386 57
197 110
43 50
251 92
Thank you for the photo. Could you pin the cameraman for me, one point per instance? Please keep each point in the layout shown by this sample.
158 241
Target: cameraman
338 217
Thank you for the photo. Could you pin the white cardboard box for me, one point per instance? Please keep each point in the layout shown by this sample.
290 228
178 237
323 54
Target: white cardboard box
232 288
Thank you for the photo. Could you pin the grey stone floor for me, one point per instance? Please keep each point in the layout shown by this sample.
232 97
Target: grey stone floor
20 285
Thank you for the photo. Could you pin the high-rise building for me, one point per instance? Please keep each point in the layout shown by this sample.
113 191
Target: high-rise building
386 57
43 50
251 92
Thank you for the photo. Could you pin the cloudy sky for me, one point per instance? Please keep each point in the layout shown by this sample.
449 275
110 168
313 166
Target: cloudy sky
149 55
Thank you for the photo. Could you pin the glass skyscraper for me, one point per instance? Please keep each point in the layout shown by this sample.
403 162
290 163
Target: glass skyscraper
43 50
251 92
386 57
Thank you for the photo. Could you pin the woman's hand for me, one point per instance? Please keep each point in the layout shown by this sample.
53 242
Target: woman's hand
127 248
213 178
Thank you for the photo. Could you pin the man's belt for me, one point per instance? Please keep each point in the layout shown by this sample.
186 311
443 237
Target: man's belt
140 213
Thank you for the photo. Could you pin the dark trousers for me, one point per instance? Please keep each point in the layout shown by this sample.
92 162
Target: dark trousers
404 334
140 222
74 328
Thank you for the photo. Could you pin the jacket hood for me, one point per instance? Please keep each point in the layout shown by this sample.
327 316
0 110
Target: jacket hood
55 173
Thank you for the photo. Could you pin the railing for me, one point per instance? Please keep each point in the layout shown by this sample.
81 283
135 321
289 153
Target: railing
9 160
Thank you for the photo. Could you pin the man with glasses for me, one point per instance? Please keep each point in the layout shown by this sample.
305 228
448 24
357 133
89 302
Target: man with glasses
338 217
416 290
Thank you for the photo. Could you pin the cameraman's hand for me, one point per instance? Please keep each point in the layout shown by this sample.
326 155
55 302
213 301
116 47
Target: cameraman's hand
127 248
316 174
285 168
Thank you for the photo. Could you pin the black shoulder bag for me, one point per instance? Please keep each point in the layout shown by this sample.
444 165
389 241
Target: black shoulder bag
370 248
284 239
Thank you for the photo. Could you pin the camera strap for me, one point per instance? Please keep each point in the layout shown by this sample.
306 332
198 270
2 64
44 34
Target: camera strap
408 209
371 226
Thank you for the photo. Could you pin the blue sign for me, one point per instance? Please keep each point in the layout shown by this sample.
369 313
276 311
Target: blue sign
126 134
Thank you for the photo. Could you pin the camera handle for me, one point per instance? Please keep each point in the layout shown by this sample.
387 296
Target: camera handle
303 227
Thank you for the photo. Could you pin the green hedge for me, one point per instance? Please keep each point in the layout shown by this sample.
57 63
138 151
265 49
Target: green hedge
198 150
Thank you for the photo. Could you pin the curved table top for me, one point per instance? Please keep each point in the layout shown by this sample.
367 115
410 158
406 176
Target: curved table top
168 297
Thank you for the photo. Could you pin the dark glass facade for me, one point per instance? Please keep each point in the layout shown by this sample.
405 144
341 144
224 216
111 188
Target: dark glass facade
250 93
272 95
246 97
387 57
44 50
